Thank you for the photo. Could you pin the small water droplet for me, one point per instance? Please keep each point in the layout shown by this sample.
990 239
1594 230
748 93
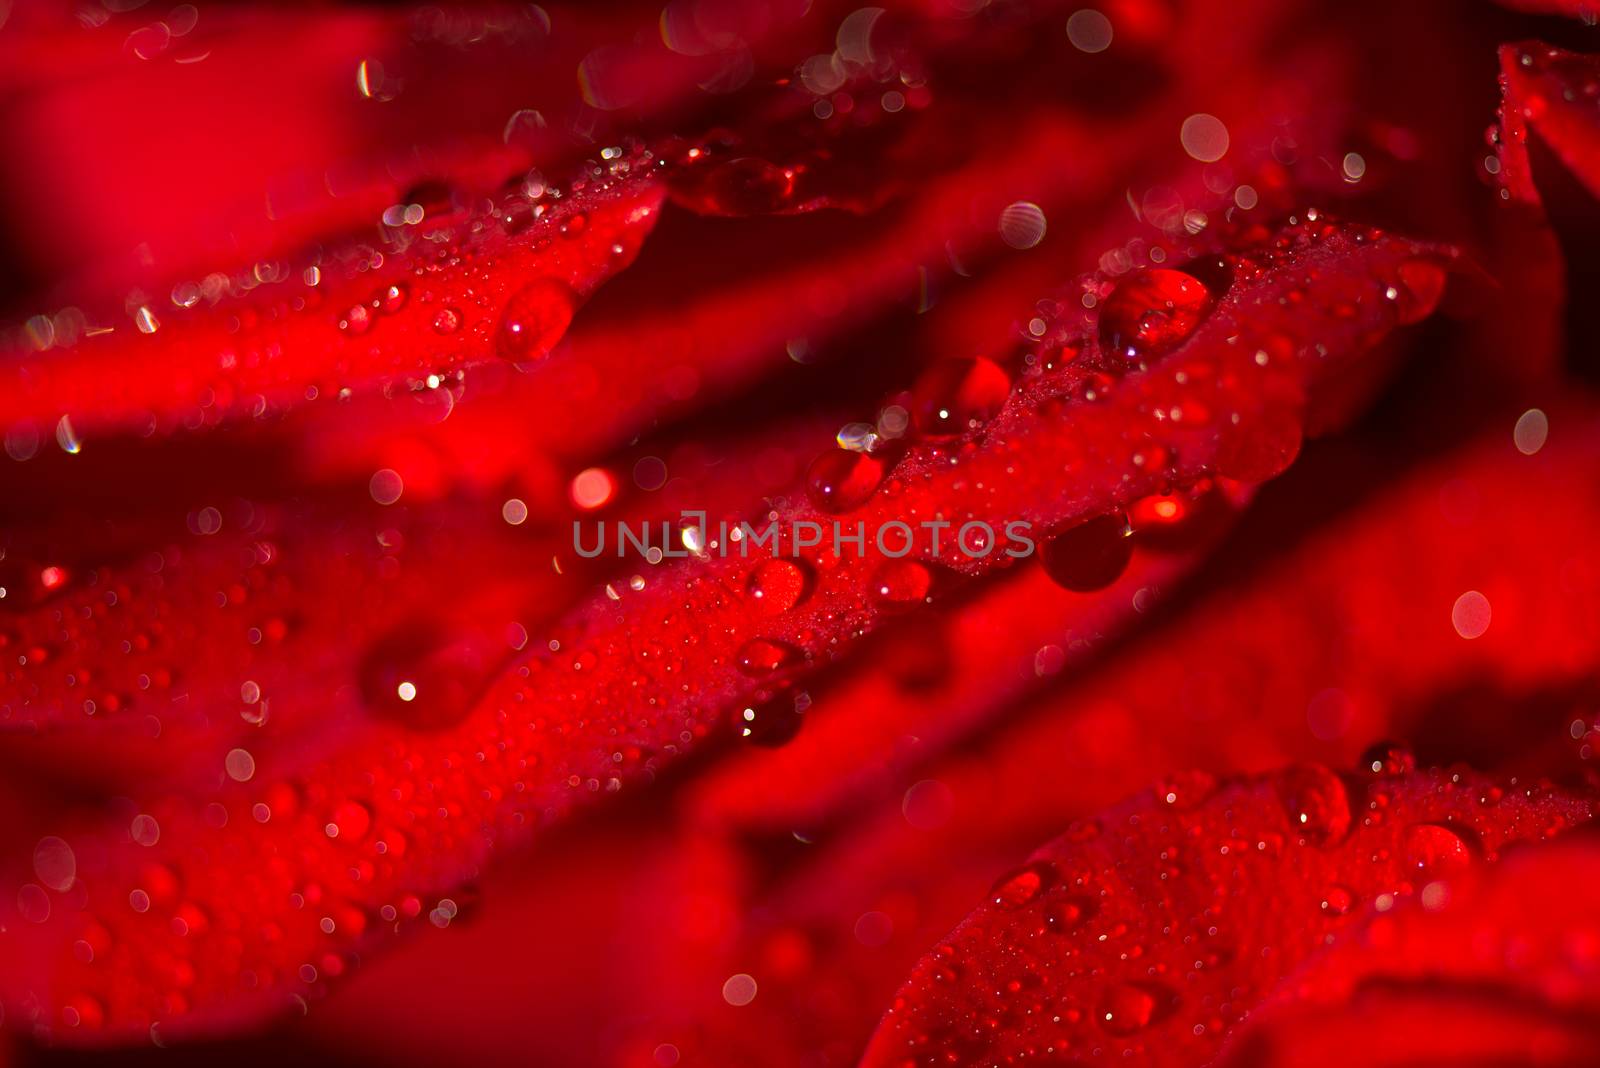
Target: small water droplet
1388 759
1091 555
1131 1007
356 321
1151 312
759 657
776 586
393 298
447 321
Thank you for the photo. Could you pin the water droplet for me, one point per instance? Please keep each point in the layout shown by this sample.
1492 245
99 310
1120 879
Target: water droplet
1338 901
776 586
761 656
447 321
357 321
1089 31
393 298
1421 284
901 582
350 822
1434 851
746 185
1131 1007
1018 888
1091 555
1260 447
1151 312
1388 759
427 677
1316 803
841 480
535 319
953 395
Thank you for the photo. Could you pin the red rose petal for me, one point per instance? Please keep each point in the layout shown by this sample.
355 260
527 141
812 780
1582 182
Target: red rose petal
361 317
629 682
1151 930
1555 95
1497 965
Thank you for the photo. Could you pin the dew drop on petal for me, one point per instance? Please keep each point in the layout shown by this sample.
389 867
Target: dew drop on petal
427 677
1018 888
842 480
446 321
1091 555
1151 312
1131 1007
1434 851
1316 803
775 586
901 582
535 319
759 657
1419 289
955 394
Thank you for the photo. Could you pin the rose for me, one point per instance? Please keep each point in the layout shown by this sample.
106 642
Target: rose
366 575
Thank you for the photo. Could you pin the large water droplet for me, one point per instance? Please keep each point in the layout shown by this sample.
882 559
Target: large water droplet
1091 555
1151 312
841 480
1418 288
427 677
954 395
901 582
1434 851
535 319
1018 888
1316 803
775 586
